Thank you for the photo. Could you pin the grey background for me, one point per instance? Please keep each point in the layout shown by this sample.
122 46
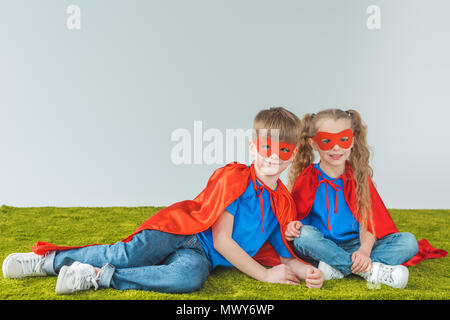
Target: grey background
86 115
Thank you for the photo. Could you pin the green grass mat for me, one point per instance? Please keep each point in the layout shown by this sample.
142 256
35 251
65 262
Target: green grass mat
20 228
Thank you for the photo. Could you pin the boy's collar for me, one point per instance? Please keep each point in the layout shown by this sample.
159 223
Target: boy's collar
256 179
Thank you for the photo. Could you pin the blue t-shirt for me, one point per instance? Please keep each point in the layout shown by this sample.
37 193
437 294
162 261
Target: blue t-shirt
247 231
343 224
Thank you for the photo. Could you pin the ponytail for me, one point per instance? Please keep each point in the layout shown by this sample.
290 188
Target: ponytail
362 172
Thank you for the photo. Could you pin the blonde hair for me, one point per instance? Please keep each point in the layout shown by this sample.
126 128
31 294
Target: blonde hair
358 160
277 118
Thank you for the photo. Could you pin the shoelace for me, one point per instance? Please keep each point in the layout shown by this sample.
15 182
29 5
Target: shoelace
385 274
31 263
336 188
83 279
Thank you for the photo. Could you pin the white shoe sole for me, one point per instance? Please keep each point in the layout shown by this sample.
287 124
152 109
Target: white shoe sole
5 262
6 275
59 281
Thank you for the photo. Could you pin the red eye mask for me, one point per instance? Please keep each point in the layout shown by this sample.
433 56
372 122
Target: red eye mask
327 141
266 147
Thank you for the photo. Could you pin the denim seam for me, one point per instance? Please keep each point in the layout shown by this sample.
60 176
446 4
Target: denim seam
107 274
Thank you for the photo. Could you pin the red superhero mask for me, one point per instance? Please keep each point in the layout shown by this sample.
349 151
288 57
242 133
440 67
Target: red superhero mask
327 141
266 147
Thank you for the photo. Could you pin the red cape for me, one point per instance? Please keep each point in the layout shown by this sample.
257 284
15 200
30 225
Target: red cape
193 216
304 192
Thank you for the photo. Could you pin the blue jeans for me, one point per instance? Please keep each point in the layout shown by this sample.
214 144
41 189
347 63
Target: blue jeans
393 249
152 260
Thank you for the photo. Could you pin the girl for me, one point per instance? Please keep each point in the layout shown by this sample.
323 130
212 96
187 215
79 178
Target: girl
344 225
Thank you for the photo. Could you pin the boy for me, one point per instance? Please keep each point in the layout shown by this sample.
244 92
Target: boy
241 208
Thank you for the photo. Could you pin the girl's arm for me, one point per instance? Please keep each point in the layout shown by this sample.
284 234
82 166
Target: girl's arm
367 240
361 258
222 231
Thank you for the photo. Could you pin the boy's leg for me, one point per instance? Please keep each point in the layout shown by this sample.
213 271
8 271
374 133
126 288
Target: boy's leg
186 270
148 247
313 244
395 248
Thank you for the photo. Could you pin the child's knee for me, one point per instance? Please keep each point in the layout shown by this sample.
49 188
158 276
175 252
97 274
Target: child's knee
308 236
409 241
193 277
191 282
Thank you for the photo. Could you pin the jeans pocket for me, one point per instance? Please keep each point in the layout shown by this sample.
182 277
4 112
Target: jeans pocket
194 244
191 243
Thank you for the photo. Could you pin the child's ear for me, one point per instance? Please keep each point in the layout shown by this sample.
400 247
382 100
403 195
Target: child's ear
294 153
313 144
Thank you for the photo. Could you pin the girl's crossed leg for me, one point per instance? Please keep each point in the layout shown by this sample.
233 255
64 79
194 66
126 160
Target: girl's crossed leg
393 249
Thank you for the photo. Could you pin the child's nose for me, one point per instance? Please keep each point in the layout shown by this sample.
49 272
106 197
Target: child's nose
274 156
336 147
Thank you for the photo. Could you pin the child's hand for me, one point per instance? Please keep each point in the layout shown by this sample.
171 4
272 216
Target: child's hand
281 274
314 278
293 230
361 262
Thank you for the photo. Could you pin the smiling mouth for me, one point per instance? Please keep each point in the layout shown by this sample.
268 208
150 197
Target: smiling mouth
270 163
336 156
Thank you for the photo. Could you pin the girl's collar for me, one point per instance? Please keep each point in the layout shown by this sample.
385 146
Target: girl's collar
348 172
324 174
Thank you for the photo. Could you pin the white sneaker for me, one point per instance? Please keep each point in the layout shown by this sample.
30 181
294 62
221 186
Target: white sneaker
393 276
329 272
79 276
20 265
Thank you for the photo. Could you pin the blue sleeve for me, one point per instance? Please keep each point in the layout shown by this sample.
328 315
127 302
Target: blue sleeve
233 207
277 243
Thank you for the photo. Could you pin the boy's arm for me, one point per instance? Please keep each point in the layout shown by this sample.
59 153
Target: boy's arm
297 266
222 231
313 276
